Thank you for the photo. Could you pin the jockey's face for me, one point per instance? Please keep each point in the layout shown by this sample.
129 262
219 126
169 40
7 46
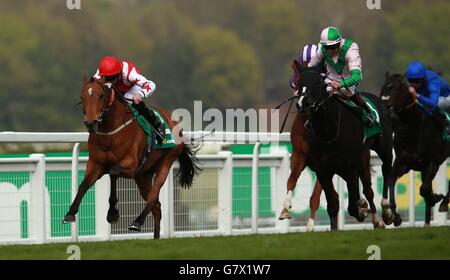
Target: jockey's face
112 79
416 83
333 50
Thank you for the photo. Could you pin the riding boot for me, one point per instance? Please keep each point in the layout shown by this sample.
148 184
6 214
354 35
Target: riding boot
153 119
359 100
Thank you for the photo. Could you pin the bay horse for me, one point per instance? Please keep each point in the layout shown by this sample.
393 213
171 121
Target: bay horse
117 145
418 142
298 163
337 146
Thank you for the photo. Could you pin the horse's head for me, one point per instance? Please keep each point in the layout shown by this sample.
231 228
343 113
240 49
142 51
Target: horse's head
96 97
310 82
395 94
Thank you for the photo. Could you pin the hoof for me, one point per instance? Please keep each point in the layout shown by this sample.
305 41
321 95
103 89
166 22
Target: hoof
310 226
284 215
135 226
362 203
388 216
68 218
361 216
378 225
397 219
113 217
443 207
426 225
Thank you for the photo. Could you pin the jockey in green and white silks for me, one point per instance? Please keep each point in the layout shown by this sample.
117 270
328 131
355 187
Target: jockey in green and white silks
343 64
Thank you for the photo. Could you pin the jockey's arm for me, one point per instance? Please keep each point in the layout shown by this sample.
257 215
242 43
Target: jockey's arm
354 64
147 86
433 97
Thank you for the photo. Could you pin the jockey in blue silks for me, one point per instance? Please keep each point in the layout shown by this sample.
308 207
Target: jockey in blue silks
430 89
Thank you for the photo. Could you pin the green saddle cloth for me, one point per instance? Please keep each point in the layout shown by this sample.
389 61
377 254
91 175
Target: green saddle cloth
376 128
168 141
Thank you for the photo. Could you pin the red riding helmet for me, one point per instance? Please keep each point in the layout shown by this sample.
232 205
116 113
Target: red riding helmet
109 66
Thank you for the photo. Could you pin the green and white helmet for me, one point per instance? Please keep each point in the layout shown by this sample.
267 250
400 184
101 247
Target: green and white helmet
330 36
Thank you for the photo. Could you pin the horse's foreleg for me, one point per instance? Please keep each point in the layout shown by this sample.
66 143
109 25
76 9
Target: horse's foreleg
356 205
314 203
297 165
113 212
93 173
144 183
331 196
389 212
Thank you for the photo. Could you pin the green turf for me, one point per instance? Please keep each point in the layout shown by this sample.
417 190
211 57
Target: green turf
417 243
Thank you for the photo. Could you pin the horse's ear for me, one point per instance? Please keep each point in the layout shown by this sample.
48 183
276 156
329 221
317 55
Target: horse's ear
296 67
85 80
387 74
403 77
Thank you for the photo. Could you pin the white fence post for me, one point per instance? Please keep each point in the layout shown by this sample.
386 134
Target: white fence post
255 172
281 176
440 186
74 188
341 214
37 209
167 206
225 194
412 199
102 192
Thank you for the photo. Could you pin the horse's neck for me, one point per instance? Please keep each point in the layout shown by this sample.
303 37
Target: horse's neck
412 118
118 114
326 119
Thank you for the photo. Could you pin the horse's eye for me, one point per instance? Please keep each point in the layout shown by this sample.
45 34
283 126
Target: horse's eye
389 85
101 96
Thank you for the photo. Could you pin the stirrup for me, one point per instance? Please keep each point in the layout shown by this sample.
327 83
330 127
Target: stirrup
370 122
307 125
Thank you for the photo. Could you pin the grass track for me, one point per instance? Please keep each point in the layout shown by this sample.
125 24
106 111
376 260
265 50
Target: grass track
406 243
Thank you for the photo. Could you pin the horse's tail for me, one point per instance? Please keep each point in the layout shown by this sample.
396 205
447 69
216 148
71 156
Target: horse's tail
188 165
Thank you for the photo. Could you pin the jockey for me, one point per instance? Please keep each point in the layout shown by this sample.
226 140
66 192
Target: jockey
127 78
305 56
343 64
430 89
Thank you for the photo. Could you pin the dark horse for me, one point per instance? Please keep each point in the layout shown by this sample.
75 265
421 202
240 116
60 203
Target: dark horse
337 145
418 142
117 144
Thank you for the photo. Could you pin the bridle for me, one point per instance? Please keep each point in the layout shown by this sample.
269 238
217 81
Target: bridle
316 104
106 108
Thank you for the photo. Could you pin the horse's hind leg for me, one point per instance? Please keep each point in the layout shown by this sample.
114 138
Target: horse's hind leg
144 183
156 212
297 166
444 204
93 173
426 190
113 213
152 198
367 189
314 202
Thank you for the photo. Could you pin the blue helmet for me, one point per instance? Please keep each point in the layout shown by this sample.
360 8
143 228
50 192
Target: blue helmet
416 70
